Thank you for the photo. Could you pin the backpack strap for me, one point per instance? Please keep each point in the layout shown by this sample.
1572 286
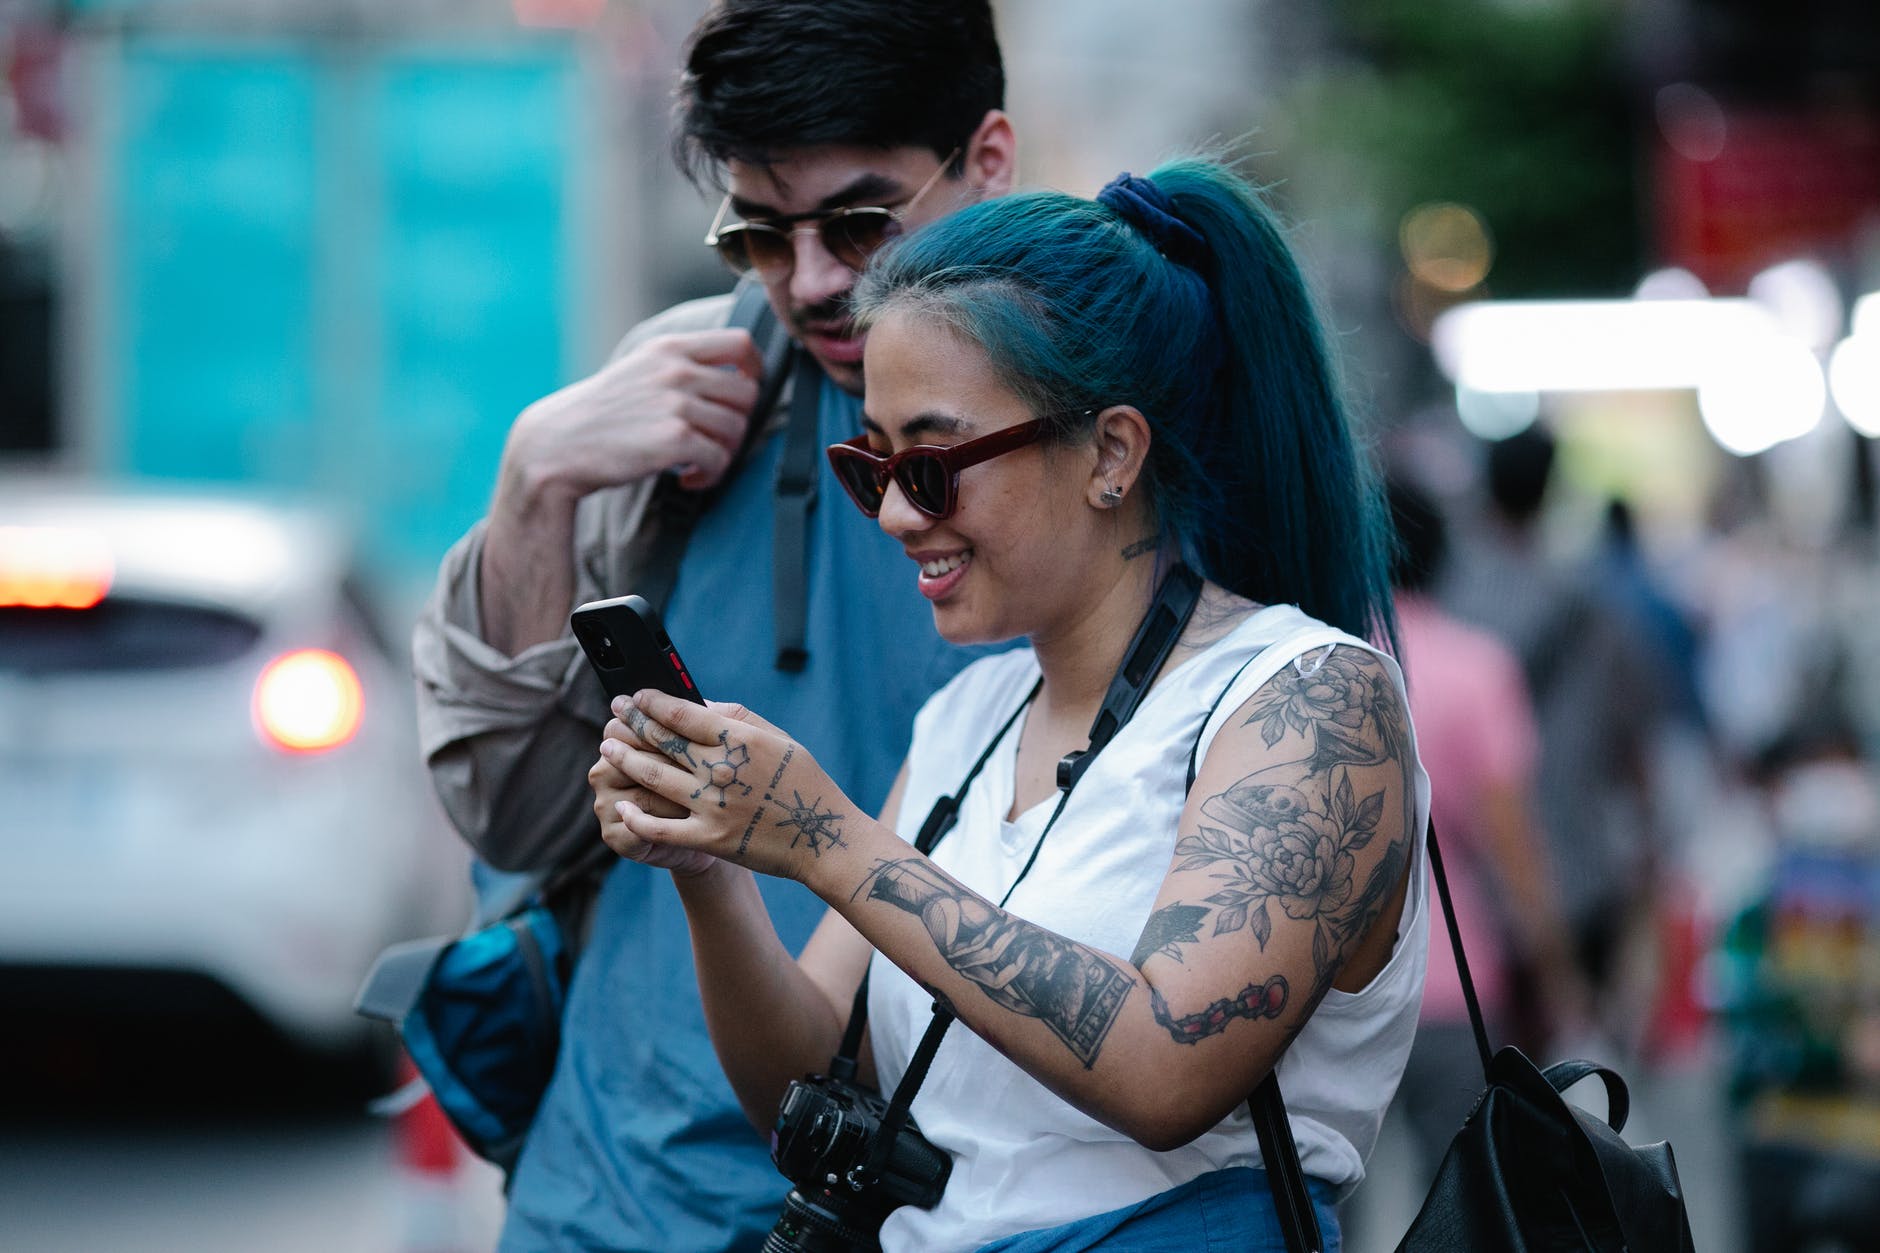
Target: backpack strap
792 500
674 511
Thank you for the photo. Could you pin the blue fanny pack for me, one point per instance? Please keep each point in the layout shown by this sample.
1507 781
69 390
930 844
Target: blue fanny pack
480 1016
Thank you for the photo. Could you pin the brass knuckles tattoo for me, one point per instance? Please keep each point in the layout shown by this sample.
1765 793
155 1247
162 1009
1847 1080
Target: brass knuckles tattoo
1271 843
1075 991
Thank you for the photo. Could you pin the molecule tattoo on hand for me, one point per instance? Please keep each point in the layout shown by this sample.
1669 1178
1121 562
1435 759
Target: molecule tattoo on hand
723 774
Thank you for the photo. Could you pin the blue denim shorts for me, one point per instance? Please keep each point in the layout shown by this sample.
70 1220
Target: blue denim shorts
1228 1211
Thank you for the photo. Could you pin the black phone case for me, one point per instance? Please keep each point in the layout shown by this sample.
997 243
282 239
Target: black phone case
628 648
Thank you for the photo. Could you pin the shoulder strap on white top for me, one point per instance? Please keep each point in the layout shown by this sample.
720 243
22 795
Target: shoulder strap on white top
1247 680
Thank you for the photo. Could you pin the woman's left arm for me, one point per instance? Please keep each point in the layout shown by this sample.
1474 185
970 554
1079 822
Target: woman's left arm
1287 880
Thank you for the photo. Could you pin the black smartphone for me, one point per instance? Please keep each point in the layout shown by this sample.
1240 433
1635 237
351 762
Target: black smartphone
628 648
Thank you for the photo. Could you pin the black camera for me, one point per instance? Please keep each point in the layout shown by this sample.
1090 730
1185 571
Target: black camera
829 1143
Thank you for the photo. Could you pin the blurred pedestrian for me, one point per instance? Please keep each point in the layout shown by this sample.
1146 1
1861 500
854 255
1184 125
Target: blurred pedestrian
834 125
1598 689
1622 569
1477 737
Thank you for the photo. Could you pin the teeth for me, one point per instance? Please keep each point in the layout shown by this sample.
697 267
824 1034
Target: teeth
934 569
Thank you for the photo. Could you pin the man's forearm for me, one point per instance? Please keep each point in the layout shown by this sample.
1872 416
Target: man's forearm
526 582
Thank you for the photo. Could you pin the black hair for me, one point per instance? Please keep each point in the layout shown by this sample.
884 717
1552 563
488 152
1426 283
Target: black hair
763 77
1518 470
1422 536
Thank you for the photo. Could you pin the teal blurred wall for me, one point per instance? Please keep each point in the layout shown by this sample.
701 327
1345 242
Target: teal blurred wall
339 267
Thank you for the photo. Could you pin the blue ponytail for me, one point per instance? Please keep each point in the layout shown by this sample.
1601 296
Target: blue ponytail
1253 470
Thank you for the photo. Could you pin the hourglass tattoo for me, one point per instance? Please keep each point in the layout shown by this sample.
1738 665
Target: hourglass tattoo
1075 991
1289 837
669 743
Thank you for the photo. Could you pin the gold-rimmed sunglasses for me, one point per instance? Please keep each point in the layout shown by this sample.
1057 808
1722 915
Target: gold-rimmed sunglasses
850 235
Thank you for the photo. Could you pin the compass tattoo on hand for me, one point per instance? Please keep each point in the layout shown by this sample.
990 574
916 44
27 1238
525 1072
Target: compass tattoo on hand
820 829
723 774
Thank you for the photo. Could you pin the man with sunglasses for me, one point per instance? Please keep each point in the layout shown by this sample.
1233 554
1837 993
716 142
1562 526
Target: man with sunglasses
832 126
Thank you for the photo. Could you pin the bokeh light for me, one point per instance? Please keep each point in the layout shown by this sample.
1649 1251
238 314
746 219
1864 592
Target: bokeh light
1692 121
1497 415
309 701
1854 379
1754 400
1804 300
1446 245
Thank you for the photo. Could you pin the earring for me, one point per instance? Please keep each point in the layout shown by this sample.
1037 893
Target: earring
1110 498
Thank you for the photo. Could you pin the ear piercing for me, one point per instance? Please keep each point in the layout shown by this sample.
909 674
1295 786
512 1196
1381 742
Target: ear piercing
1110 498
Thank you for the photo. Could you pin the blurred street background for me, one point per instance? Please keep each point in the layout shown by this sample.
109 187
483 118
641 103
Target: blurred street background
276 276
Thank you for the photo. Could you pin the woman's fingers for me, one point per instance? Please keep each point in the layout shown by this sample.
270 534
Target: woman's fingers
738 713
693 722
653 771
619 730
664 737
650 828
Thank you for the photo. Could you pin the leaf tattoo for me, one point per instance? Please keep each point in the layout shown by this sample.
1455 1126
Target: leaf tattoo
1168 927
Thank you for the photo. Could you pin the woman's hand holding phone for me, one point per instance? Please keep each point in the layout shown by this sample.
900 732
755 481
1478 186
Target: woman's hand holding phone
750 794
612 789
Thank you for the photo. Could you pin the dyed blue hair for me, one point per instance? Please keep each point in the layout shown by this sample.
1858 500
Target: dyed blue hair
1253 470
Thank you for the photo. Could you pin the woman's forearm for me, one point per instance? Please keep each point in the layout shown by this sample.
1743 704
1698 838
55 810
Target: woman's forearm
769 1022
1086 1024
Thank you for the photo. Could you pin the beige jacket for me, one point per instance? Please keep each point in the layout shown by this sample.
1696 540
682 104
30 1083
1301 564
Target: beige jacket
509 739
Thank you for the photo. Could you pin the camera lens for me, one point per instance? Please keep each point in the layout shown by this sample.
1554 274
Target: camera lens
813 1226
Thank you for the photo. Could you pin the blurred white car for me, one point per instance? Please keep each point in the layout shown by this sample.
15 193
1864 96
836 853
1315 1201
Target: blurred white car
210 787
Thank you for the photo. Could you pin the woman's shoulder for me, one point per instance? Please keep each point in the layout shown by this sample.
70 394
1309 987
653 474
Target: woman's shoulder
1243 652
1227 629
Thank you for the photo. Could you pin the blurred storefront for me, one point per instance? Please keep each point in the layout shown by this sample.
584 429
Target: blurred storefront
325 248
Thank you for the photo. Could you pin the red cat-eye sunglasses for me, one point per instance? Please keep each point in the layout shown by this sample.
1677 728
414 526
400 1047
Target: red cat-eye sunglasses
928 474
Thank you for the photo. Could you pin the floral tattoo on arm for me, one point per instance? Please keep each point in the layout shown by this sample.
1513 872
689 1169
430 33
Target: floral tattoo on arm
1287 837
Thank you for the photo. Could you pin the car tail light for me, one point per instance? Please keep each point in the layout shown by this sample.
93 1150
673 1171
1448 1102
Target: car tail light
45 567
308 701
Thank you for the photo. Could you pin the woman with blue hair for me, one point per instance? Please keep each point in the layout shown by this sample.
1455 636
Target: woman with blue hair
1164 850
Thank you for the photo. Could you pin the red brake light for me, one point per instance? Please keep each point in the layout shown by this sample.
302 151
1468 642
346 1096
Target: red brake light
308 701
53 568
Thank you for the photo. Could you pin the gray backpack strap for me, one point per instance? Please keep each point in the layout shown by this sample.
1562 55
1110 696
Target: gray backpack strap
795 497
673 510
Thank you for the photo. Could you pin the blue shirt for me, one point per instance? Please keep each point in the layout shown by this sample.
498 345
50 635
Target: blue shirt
639 1143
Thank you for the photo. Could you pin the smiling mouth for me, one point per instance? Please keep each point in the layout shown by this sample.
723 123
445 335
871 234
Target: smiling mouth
945 565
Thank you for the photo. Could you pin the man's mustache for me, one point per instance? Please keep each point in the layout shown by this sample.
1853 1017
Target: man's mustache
830 312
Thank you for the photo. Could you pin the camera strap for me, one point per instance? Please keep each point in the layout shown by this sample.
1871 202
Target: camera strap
1155 638
940 820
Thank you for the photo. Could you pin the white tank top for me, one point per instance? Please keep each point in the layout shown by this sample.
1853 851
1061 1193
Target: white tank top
1022 1158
